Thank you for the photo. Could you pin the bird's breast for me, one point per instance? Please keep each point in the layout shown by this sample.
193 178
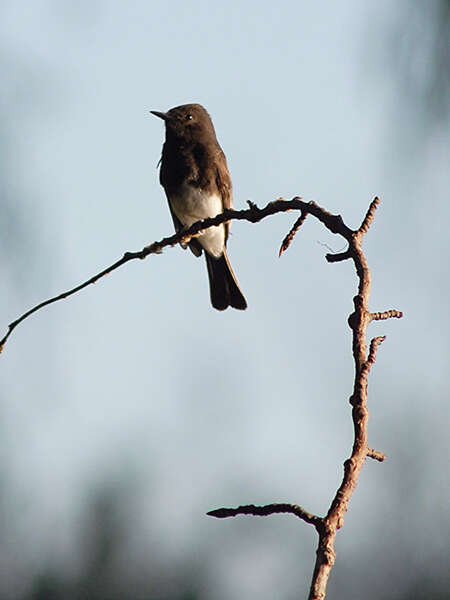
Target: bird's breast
191 204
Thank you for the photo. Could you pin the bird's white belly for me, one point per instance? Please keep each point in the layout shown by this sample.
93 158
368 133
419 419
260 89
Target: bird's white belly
195 204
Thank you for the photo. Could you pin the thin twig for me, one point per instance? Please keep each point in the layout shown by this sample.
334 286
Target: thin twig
367 222
290 236
253 215
338 256
376 455
264 511
387 314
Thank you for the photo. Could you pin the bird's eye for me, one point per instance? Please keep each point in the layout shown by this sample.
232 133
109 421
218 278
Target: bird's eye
189 117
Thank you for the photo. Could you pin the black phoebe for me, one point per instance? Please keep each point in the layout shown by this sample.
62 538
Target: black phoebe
195 177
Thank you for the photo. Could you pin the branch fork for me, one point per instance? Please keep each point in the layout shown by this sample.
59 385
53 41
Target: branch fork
359 320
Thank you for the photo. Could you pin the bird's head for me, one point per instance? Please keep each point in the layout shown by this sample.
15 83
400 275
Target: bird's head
190 122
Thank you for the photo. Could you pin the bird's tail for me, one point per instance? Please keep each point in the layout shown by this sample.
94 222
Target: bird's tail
223 285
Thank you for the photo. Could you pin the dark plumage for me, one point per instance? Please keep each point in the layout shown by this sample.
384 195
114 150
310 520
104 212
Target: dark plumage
195 177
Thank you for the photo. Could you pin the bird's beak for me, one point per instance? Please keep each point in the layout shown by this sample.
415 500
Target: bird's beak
161 115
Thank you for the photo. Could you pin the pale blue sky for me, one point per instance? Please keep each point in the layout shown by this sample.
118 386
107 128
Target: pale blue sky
138 377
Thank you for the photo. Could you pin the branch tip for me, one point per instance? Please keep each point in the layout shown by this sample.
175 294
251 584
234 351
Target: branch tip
367 222
290 236
387 314
339 256
265 511
374 344
376 455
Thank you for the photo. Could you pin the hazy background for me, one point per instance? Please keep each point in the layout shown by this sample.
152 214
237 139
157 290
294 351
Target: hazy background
133 408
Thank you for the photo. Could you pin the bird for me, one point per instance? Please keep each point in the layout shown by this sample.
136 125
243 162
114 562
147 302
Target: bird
197 183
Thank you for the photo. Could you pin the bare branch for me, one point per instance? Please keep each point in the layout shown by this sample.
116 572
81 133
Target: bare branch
387 314
264 511
376 455
359 320
339 256
290 236
254 214
374 344
367 222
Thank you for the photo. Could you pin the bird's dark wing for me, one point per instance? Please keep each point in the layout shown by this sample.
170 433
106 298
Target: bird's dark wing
223 182
194 245
170 180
